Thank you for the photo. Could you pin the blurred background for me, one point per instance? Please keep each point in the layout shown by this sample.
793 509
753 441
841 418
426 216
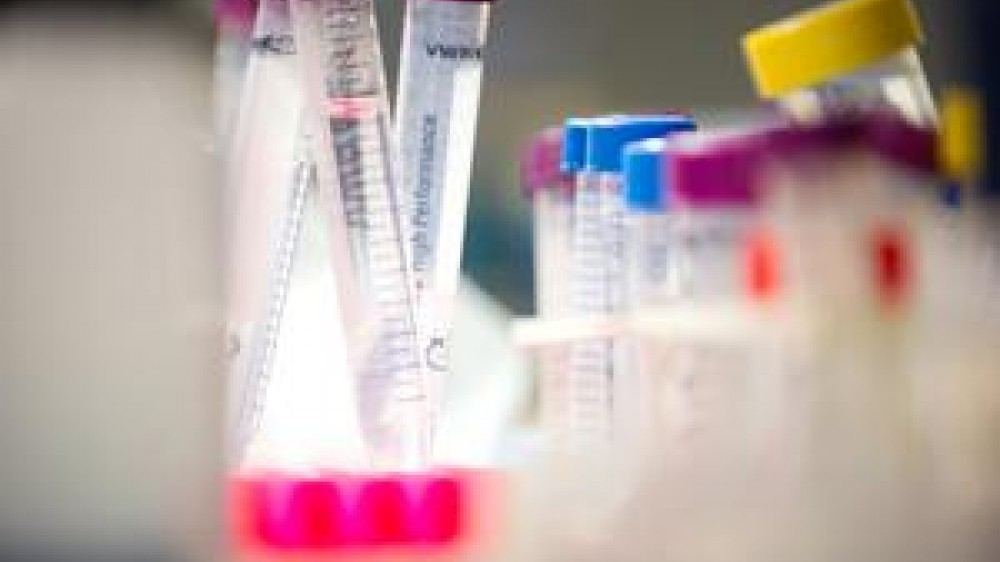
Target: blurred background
557 58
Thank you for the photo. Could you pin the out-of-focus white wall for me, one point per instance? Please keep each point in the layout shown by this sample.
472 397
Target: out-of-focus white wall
110 293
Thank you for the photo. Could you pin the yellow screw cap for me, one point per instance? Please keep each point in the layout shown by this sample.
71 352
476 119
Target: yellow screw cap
818 45
961 137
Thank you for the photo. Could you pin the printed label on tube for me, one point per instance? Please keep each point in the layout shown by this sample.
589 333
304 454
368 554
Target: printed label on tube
438 104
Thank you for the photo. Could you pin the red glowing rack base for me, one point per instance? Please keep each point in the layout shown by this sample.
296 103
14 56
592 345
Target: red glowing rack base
441 516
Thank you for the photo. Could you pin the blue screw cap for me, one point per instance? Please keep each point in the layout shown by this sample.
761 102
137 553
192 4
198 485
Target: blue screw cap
646 188
574 149
608 138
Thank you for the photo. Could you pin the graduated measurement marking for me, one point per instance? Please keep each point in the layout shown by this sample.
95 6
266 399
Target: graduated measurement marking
356 119
267 175
591 361
380 250
266 340
350 47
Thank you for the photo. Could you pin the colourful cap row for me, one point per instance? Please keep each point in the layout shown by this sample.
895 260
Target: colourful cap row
884 134
349 512
709 169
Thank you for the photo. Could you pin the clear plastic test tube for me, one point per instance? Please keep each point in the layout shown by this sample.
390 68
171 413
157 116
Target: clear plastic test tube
900 232
251 382
815 204
437 108
717 394
650 282
266 177
550 191
912 261
845 55
650 268
598 284
924 259
348 114
716 188
842 222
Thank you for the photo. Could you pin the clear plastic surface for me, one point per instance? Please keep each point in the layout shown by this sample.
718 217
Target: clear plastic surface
553 220
652 282
850 253
251 385
709 246
714 397
652 274
348 112
597 265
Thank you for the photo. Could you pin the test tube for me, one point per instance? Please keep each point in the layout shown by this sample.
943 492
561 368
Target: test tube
441 66
815 203
266 177
716 189
550 191
651 275
598 286
557 409
348 119
919 254
850 261
650 279
846 55
717 394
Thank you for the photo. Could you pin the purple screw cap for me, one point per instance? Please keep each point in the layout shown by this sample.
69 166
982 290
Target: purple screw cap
794 139
540 163
903 143
239 13
716 171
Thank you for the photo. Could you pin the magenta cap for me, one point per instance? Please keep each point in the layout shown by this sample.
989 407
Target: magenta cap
541 161
237 12
340 513
713 171
833 135
902 143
